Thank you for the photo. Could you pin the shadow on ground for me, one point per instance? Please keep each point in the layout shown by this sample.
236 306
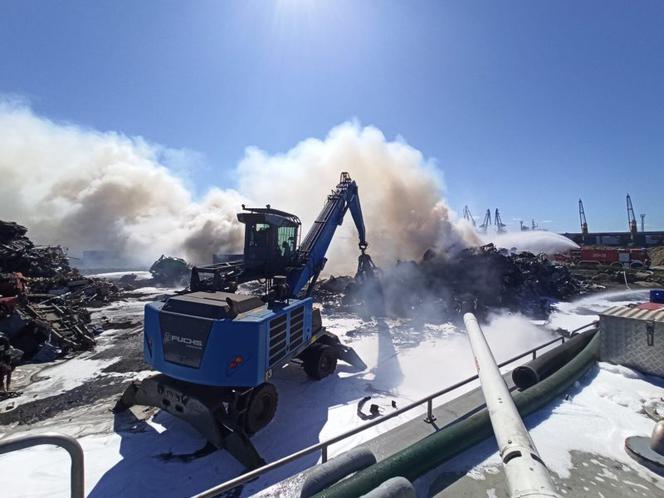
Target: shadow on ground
301 415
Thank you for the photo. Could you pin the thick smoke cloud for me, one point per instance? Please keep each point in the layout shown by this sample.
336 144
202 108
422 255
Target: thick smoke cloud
90 190
87 189
401 193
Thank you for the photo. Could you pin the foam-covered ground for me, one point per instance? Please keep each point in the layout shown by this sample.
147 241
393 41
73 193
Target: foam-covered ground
580 437
128 457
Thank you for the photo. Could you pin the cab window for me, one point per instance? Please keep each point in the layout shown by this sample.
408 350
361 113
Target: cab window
258 235
286 241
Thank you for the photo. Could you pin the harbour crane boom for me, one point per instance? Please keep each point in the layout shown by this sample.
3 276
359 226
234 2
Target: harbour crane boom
487 221
468 216
631 219
582 219
500 226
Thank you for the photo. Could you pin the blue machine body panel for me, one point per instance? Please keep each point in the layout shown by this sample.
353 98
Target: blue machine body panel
230 352
657 296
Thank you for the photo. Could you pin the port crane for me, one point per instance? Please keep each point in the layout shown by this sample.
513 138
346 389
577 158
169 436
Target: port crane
582 220
525 227
500 226
487 221
631 219
217 350
467 215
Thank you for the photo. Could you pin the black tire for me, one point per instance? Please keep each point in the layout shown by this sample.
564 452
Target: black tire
261 407
319 361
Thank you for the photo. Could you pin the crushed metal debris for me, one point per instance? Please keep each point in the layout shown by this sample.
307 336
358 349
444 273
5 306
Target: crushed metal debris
171 272
476 279
43 300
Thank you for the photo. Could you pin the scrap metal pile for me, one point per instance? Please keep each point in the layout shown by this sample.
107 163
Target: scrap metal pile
167 271
603 278
170 271
656 255
43 300
476 279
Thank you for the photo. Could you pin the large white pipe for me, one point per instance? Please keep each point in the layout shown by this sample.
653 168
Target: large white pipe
527 476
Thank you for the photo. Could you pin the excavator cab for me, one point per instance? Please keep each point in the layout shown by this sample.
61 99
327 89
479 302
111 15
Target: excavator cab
270 240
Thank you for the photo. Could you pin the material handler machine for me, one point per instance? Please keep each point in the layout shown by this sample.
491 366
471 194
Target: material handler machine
216 350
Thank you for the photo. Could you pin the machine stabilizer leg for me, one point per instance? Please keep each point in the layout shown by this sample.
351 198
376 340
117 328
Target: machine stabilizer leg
344 353
240 447
349 355
201 407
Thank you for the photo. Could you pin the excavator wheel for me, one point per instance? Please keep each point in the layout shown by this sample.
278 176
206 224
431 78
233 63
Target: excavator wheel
319 361
261 407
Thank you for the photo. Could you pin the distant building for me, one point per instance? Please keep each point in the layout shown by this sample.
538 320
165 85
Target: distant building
619 239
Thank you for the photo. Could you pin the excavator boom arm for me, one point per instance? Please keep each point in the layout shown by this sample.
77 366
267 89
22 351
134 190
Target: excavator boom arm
311 253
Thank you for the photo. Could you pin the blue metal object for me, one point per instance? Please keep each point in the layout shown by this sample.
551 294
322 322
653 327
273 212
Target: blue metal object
311 253
237 352
216 350
188 340
657 296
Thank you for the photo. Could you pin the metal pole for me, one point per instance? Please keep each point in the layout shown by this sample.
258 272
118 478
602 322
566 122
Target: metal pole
322 446
526 473
430 417
67 442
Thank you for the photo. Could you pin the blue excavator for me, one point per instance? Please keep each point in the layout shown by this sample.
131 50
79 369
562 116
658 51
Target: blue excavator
216 350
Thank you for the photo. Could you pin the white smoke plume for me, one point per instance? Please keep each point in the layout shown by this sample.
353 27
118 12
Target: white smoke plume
401 193
87 189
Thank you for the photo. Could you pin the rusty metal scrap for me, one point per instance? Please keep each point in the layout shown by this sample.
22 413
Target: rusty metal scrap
477 279
43 300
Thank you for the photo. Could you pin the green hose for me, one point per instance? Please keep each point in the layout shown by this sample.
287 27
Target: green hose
430 452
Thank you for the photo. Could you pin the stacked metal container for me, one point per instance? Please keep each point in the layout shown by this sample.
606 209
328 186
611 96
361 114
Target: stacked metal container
634 335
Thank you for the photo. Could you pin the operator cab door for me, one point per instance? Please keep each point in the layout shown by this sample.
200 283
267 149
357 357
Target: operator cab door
268 248
259 244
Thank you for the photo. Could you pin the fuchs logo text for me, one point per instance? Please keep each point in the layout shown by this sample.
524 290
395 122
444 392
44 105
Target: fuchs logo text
187 341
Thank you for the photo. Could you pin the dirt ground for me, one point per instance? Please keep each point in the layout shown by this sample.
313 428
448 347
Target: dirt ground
125 345
656 256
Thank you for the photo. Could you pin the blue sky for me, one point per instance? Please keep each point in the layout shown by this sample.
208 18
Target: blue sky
525 105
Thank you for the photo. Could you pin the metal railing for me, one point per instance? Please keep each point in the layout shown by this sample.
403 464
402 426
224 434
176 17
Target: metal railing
324 445
77 480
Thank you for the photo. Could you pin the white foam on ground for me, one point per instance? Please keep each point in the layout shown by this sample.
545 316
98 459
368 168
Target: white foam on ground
603 409
63 376
601 412
42 471
147 292
580 312
117 275
405 362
